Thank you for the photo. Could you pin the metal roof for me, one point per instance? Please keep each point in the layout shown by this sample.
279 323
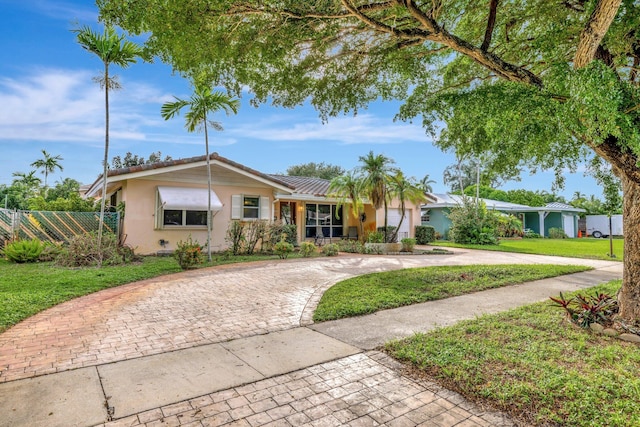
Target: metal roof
453 200
303 185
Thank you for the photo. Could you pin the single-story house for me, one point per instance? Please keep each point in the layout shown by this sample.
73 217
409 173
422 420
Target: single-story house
166 202
538 219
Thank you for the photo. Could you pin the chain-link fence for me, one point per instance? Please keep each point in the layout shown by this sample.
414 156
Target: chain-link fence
53 226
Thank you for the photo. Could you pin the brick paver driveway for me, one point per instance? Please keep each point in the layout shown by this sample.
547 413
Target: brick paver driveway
195 308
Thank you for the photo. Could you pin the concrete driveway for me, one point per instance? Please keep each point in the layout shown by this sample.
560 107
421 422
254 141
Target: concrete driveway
242 317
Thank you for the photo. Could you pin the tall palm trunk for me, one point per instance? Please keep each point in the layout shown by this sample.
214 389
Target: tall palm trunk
209 219
105 161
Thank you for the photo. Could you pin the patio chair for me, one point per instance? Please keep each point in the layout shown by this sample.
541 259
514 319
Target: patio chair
352 234
318 240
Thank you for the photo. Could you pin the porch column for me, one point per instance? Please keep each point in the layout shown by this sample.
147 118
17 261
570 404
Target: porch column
541 217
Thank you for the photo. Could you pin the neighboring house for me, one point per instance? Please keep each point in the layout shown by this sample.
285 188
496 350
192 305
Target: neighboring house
166 202
538 219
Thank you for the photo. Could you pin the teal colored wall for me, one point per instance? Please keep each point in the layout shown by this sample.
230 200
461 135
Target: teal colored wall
438 219
532 221
553 220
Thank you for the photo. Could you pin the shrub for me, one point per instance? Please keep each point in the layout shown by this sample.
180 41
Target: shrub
472 223
375 237
283 249
235 236
21 251
276 230
351 246
585 310
50 251
307 249
425 234
530 234
373 250
408 243
83 251
331 249
253 232
188 253
557 233
388 234
509 226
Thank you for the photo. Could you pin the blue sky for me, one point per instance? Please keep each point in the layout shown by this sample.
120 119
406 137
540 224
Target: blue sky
49 101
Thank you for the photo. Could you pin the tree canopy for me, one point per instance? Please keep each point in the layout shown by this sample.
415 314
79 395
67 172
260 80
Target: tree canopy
537 84
131 159
316 170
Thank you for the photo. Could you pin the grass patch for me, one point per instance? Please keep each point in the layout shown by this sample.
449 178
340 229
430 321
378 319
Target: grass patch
26 289
379 291
575 248
532 363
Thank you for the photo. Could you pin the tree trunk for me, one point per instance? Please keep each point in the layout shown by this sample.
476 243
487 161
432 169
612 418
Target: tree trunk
105 163
629 296
595 30
209 218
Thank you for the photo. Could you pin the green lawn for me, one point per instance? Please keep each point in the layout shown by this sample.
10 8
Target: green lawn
26 289
576 248
378 291
532 363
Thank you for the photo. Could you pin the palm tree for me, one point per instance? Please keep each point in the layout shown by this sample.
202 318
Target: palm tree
426 184
111 48
27 185
202 102
376 172
48 164
405 190
27 179
349 188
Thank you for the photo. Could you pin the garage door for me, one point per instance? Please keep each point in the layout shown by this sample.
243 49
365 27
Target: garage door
393 218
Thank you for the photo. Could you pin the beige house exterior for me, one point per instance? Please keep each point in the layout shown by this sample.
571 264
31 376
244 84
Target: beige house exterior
166 202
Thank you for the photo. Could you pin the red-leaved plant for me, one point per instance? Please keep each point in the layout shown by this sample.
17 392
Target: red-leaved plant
584 310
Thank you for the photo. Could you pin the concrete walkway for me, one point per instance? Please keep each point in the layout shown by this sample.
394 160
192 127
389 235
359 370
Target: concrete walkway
230 345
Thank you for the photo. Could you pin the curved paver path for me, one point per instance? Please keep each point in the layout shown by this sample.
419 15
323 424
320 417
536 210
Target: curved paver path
199 307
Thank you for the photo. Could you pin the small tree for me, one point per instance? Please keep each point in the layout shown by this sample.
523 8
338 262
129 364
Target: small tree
48 164
405 190
203 101
111 48
376 172
349 188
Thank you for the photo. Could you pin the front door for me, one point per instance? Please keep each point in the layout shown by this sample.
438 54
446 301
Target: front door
288 212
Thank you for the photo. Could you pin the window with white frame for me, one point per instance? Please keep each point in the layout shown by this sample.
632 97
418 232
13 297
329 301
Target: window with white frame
250 207
184 207
184 218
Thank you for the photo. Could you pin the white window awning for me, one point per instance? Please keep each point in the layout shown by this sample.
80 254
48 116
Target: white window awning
191 199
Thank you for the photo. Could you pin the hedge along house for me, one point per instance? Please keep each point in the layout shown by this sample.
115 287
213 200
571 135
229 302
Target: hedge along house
166 202
537 219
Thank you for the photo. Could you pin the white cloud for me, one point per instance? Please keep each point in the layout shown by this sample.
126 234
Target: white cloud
62 10
361 129
66 106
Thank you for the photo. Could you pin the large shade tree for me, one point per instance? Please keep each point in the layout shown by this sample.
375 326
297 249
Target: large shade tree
543 84
112 49
201 104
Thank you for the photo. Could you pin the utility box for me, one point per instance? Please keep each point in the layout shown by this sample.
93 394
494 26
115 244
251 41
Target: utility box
598 225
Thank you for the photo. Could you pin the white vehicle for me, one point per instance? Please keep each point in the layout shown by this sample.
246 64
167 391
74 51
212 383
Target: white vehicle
598 225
